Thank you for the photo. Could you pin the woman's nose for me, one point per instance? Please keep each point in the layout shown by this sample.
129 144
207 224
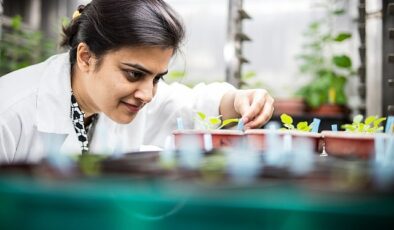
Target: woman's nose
144 91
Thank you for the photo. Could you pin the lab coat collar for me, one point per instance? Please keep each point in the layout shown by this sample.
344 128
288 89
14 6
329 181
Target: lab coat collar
54 96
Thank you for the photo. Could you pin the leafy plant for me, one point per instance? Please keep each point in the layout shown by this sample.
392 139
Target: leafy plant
301 126
372 124
20 47
329 70
214 122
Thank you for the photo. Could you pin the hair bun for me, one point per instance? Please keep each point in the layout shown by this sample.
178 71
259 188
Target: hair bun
81 8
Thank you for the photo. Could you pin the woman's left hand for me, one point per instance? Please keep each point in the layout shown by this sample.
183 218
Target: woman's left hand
255 106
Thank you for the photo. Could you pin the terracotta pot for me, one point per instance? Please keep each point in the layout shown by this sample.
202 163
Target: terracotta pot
220 138
226 138
257 138
291 106
348 144
330 110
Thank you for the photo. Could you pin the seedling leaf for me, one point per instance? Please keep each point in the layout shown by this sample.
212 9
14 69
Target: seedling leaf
357 119
303 126
377 122
286 119
229 121
214 120
201 115
370 119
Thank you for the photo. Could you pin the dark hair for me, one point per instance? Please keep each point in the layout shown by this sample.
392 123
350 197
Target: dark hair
106 25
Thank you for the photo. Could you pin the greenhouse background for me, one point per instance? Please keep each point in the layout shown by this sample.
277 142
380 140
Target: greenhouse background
276 33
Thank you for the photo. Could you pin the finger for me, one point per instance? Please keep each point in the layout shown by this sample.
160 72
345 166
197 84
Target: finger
263 117
258 101
243 109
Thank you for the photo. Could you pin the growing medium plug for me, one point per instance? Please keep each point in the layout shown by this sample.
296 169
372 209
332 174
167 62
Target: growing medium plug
316 124
240 125
179 123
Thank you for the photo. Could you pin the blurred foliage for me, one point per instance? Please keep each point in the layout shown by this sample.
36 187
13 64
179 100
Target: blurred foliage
248 81
329 71
178 76
20 47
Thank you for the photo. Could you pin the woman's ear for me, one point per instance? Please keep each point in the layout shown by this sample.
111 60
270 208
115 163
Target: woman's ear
85 60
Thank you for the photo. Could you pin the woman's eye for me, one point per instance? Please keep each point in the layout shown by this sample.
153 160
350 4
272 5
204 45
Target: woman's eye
134 75
157 79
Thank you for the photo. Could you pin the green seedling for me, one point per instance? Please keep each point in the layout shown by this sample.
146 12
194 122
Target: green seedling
372 124
288 124
211 123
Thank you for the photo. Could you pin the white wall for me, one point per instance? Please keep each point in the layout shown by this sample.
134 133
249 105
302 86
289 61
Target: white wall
374 57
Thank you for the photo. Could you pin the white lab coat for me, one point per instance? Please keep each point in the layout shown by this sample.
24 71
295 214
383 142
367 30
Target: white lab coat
35 114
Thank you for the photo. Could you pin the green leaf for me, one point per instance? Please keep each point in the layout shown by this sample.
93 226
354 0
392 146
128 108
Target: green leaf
16 22
370 119
348 127
201 115
248 75
371 130
176 74
286 119
377 122
214 120
361 127
342 61
229 121
314 25
342 37
303 126
357 119
339 12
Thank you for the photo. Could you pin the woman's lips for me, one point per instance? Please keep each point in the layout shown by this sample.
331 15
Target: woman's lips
132 108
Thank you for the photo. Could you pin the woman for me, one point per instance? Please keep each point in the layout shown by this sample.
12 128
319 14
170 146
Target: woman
106 93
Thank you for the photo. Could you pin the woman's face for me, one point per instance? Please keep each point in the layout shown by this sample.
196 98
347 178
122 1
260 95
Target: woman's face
126 80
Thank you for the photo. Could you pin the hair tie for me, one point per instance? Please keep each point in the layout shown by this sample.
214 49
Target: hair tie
78 12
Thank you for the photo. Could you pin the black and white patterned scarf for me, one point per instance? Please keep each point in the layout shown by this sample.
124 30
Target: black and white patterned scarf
84 134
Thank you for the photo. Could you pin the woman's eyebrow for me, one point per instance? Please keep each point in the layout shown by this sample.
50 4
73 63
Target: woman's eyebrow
143 69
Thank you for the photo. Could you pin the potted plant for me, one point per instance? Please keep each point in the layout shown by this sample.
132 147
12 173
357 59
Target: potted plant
212 129
358 139
328 70
257 137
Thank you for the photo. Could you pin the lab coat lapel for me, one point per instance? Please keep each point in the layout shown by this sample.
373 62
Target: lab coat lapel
54 97
54 103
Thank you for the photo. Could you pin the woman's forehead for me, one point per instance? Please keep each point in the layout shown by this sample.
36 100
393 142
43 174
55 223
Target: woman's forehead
153 58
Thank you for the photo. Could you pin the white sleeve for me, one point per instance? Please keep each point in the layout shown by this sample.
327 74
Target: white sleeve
10 129
177 100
